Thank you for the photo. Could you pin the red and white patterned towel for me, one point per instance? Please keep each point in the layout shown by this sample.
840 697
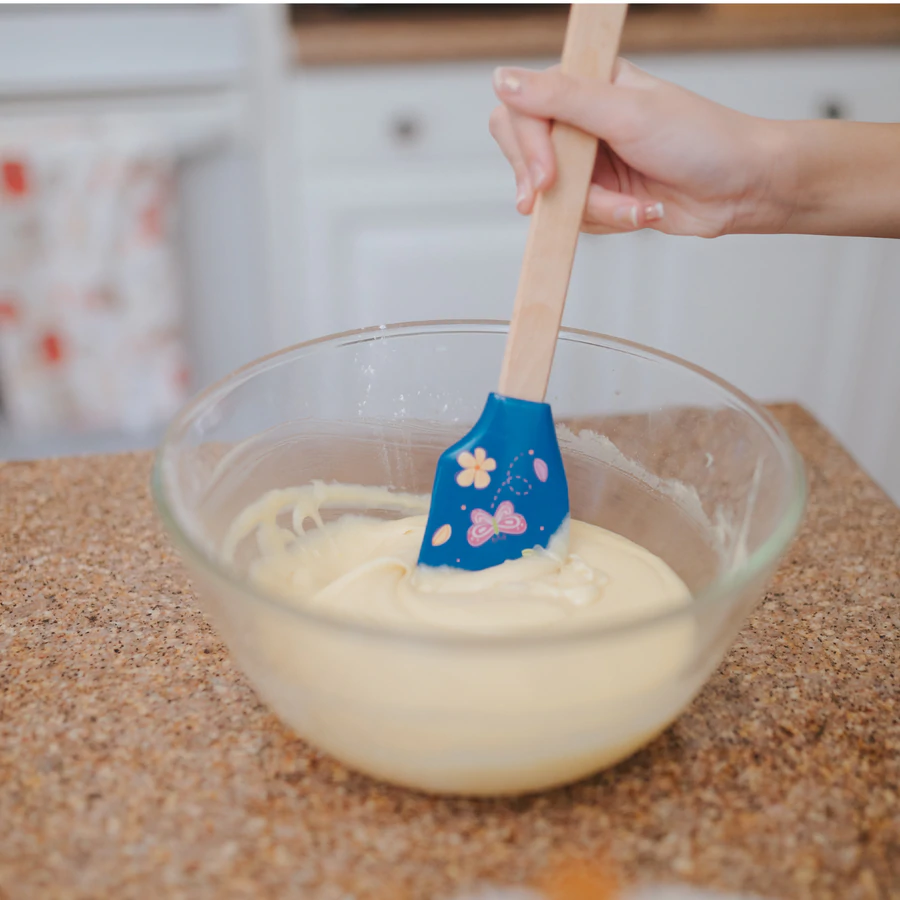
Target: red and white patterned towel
90 299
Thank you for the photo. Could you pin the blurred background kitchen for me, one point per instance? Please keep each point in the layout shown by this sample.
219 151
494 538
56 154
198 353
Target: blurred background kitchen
184 188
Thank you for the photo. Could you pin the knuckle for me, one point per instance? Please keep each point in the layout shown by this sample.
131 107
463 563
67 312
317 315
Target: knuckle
625 72
497 121
568 94
554 86
633 115
644 107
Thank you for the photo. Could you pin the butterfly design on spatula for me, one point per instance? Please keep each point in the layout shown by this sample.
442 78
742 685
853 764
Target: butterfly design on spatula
485 526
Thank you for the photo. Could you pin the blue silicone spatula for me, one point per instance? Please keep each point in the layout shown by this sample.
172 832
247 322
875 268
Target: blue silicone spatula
501 491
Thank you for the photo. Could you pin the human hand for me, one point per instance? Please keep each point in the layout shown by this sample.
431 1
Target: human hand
668 159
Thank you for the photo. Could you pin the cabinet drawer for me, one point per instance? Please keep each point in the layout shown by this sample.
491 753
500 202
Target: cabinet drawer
388 114
439 113
795 84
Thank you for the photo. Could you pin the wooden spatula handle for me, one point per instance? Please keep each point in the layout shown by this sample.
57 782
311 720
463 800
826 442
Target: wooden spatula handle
591 45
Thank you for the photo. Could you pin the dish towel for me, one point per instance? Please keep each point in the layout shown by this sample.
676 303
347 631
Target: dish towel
90 298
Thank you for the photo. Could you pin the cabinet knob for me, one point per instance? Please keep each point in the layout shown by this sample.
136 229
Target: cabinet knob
833 109
406 129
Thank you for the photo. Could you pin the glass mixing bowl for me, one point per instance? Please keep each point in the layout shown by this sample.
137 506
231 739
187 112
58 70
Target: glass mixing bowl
655 449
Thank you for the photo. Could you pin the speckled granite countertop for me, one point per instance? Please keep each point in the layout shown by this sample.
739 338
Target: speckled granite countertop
136 762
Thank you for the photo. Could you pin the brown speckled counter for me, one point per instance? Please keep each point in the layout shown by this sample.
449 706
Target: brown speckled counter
136 762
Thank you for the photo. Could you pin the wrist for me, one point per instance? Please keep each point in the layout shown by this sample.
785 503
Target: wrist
833 177
772 199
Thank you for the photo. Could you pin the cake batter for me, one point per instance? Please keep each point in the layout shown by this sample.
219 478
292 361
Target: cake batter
459 716
364 568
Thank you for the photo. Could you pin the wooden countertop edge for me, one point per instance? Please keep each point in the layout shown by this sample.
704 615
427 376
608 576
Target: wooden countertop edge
540 34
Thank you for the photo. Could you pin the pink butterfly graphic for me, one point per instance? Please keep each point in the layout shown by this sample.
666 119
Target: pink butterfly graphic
484 526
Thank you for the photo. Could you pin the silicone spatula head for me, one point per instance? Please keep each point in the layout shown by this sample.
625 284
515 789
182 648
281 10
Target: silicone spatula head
501 491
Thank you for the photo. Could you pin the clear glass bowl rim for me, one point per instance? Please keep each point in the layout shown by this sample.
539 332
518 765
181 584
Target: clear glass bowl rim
730 584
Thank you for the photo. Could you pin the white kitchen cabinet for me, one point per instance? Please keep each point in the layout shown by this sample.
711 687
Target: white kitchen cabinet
405 211
395 165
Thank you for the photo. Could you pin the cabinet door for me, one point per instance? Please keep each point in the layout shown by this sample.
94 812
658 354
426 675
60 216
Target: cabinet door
443 247
409 247
748 308
783 317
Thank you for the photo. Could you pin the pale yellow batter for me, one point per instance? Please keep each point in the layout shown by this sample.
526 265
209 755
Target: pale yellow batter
445 707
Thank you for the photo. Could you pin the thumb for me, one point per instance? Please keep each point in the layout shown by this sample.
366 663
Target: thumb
611 112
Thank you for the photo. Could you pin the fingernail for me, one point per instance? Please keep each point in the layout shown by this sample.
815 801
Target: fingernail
521 197
537 175
627 215
653 212
505 80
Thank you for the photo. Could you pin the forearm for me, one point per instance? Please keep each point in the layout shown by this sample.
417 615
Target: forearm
839 178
